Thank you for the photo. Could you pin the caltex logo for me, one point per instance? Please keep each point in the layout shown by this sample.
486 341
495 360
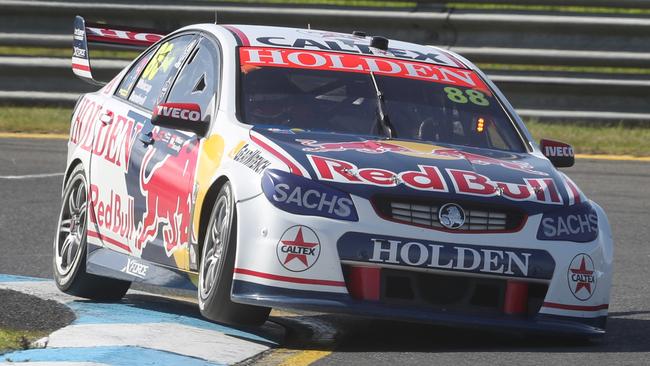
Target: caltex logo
582 281
298 248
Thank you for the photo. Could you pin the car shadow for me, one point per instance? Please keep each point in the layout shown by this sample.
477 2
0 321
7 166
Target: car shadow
626 332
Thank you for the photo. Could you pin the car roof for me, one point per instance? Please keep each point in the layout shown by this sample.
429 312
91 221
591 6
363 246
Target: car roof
320 40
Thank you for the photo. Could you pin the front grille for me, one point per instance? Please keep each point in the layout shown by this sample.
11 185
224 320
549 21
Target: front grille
453 293
478 218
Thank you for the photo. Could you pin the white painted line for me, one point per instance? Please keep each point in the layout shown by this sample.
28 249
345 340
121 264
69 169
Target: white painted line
195 342
30 176
52 363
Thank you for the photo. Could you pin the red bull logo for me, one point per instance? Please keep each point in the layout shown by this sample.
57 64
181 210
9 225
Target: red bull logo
167 189
415 149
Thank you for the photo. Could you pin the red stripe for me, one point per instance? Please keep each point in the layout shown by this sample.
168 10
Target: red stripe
576 307
115 40
293 167
242 37
289 279
81 67
574 190
99 236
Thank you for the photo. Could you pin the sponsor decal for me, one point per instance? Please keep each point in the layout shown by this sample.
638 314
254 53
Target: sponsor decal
79 52
429 178
558 151
135 268
395 251
168 206
186 111
122 36
339 42
114 215
79 34
302 196
451 216
334 61
251 158
414 149
143 85
113 141
582 281
578 223
298 248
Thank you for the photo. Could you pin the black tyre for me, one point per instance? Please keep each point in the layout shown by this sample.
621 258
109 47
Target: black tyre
216 271
69 260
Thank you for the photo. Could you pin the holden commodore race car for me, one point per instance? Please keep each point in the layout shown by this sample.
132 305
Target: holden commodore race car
294 168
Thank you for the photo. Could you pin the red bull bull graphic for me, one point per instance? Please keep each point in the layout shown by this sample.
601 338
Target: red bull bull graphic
367 146
168 197
415 149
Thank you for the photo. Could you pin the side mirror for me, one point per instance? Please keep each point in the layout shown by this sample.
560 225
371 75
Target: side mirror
559 153
180 116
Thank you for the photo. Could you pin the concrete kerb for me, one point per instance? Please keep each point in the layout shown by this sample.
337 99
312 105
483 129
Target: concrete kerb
142 327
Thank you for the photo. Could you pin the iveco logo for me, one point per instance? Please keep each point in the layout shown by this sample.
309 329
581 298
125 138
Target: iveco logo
451 216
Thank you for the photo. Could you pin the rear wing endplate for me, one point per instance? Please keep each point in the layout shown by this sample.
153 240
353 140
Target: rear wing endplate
118 36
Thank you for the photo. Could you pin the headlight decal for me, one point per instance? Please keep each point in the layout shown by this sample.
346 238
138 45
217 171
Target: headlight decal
302 196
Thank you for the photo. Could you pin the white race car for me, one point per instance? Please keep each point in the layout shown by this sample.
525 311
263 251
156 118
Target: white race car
303 169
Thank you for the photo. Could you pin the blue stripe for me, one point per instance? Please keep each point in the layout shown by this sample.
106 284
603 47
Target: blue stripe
121 313
12 278
114 356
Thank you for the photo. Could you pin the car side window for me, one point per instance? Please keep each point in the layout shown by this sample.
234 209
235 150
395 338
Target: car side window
198 81
129 80
160 71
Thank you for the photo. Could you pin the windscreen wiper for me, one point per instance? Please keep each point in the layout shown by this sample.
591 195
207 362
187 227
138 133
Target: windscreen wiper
382 118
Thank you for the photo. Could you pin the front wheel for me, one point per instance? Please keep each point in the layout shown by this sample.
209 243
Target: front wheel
217 264
69 262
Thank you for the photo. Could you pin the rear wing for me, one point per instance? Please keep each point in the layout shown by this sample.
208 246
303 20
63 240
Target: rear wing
108 35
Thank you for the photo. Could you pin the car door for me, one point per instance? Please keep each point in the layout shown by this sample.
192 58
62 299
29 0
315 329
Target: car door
121 201
167 169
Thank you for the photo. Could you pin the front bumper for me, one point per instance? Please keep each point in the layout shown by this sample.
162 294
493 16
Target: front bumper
261 278
276 297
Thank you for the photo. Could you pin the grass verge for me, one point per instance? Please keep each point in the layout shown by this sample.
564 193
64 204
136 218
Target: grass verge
65 52
594 139
35 119
585 138
17 339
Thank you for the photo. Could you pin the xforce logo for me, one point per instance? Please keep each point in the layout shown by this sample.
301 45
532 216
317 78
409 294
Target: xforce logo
135 268
298 248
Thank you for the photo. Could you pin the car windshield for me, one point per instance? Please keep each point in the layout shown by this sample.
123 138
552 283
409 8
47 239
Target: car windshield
447 105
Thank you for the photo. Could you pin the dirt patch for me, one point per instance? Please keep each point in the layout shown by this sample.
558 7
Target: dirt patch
20 311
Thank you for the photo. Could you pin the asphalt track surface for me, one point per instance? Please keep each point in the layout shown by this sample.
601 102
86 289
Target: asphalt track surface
28 217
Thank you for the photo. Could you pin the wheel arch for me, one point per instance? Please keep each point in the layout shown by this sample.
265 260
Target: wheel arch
71 167
206 208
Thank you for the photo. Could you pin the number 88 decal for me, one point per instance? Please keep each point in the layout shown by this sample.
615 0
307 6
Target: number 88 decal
457 96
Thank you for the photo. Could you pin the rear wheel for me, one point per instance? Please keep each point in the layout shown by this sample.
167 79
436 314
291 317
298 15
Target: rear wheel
217 265
69 262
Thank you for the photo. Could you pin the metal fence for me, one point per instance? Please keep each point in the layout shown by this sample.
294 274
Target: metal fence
592 50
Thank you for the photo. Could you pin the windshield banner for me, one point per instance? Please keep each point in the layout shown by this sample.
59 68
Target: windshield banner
252 57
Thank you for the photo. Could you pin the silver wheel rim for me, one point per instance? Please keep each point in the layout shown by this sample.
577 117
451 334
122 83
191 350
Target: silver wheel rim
71 231
214 246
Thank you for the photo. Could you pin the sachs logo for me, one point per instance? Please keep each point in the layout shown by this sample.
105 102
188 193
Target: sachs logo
451 216
582 281
298 248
